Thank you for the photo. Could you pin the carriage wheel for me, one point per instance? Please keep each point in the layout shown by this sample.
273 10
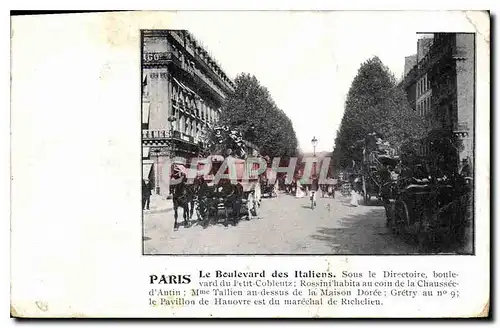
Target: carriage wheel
423 237
366 196
401 218
388 214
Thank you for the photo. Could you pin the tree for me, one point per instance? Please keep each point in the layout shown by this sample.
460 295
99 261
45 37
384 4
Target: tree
398 122
251 110
444 149
375 104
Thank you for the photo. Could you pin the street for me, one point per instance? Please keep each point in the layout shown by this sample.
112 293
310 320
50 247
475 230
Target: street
287 225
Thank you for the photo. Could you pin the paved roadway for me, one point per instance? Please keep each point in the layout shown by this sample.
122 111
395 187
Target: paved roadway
287 226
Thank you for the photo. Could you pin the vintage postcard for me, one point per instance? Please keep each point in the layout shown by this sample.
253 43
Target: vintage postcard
273 164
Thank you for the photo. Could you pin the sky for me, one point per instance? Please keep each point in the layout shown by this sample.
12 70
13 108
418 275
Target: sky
307 60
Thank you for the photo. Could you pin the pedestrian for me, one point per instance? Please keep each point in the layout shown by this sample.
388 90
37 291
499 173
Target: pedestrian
331 187
314 190
354 192
298 190
354 198
146 193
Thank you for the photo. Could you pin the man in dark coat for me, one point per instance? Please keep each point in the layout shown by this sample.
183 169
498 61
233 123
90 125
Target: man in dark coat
314 189
146 193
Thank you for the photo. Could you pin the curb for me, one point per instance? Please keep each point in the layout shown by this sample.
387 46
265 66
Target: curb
157 210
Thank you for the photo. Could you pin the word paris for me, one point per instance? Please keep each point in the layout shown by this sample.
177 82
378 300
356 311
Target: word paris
239 170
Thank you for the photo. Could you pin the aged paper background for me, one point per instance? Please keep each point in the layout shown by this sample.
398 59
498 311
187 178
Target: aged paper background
76 218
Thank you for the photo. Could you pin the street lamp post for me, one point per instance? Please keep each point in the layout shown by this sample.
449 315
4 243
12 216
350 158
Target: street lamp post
314 143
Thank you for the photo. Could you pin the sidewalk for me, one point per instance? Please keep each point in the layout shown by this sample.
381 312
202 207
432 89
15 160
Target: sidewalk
159 204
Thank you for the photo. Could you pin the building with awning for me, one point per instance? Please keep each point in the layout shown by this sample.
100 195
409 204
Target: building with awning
183 88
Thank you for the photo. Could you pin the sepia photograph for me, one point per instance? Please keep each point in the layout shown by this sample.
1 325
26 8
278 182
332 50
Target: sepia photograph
322 155
250 164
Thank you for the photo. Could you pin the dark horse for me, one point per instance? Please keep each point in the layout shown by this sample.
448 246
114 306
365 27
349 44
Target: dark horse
207 202
209 198
230 195
290 186
183 196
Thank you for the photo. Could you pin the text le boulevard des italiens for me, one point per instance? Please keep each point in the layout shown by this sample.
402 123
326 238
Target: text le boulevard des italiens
299 287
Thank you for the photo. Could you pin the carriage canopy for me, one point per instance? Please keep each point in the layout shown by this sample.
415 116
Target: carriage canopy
388 160
242 169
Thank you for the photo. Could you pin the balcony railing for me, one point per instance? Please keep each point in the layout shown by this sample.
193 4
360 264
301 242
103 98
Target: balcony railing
153 59
202 59
165 135
207 81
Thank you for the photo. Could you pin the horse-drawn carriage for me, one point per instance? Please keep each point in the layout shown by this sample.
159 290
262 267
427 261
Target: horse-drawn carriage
235 189
328 188
379 159
346 189
269 183
238 189
435 212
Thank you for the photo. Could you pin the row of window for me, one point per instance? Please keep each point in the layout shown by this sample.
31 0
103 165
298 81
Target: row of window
188 126
180 97
185 104
424 107
423 85
192 103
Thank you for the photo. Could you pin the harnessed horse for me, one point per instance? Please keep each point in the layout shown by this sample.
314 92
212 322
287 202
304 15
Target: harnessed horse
210 197
207 202
183 196
230 195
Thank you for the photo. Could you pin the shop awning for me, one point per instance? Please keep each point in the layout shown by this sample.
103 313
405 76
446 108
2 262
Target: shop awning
179 84
145 112
145 152
185 88
191 91
146 170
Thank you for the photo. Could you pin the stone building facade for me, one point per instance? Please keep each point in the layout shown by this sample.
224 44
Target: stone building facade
183 89
410 61
441 88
